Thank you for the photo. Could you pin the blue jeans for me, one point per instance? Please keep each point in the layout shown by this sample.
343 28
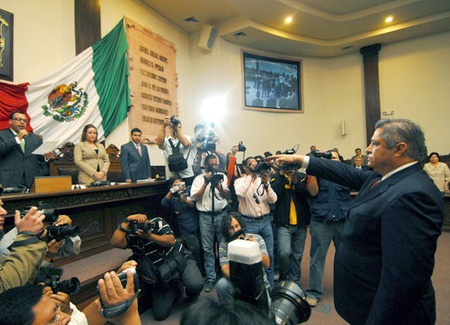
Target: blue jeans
321 236
208 230
291 242
263 227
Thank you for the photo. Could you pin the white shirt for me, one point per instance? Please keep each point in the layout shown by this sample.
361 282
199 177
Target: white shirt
205 203
249 192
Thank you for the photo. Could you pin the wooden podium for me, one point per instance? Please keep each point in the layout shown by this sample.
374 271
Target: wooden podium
48 184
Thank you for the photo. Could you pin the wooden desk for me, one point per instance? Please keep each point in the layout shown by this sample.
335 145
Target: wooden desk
97 210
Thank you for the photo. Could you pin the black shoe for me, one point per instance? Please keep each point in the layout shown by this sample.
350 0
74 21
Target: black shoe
209 285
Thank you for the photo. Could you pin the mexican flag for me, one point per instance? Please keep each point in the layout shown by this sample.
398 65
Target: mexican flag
91 89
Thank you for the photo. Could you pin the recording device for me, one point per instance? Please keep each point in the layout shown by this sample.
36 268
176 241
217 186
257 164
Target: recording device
70 286
61 232
207 146
288 305
241 146
294 166
50 276
178 189
51 215
325 154
216 179
120 308
262 167
174 121
151 226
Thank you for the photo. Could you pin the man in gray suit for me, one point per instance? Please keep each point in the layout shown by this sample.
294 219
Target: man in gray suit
134 158
18 166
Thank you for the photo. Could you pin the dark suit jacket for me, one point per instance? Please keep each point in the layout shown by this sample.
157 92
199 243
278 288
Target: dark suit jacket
384 263
134 166
16 167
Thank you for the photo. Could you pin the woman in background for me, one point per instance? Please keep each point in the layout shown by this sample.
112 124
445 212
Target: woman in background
438 171
91 157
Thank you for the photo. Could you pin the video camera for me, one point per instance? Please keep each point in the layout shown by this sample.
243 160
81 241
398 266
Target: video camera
325 154
149 226
288 305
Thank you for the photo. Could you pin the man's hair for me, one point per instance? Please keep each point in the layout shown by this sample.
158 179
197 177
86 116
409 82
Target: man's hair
85 129
135 130
173 178
16 304
207 311
11 115
398 130
226 222
357 149
244 162
208 158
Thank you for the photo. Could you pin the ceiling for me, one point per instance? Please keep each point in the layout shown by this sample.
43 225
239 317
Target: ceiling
320 28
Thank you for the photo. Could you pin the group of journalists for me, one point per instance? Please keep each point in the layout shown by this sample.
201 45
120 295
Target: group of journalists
215 201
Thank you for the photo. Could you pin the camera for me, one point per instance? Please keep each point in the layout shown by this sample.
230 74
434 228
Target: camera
241 146
293 166
289 305
207 146
51 215
216 179
123 278
262 167
61 232
150 226
70 286
325 154
174 121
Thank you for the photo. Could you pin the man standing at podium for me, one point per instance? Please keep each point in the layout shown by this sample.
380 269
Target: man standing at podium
134 158
18 166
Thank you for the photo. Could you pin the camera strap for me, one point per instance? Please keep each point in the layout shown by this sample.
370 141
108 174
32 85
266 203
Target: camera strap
118 309
176 149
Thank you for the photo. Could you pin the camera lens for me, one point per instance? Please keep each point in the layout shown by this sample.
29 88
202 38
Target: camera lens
289 304
71 286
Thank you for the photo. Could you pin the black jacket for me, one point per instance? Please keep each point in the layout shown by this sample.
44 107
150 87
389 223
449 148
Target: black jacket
285 191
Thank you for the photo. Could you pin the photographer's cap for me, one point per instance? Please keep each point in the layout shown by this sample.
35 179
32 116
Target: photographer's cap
244 251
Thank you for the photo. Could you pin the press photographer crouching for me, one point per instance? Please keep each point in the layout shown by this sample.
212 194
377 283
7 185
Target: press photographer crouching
61 237
162 262
243 258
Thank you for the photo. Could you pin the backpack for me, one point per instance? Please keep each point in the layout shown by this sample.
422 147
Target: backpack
176 159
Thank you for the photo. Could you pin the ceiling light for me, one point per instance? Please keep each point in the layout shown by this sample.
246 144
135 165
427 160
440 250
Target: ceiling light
239 35
288 20
191 20
389 19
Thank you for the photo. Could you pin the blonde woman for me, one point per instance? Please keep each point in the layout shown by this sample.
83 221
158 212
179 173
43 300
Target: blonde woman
91 157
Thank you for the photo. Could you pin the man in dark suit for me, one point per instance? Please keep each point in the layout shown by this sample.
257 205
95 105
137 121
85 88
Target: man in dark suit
384 263
18 166
134 158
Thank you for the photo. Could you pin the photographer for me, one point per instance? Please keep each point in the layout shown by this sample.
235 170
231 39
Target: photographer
211 192
175 139
204 141
162 262
232 228
27 251
184 215
35 304
254 194
291 217
68 246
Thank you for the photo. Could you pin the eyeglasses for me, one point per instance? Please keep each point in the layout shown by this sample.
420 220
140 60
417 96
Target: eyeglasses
18 119
256 198
57 317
